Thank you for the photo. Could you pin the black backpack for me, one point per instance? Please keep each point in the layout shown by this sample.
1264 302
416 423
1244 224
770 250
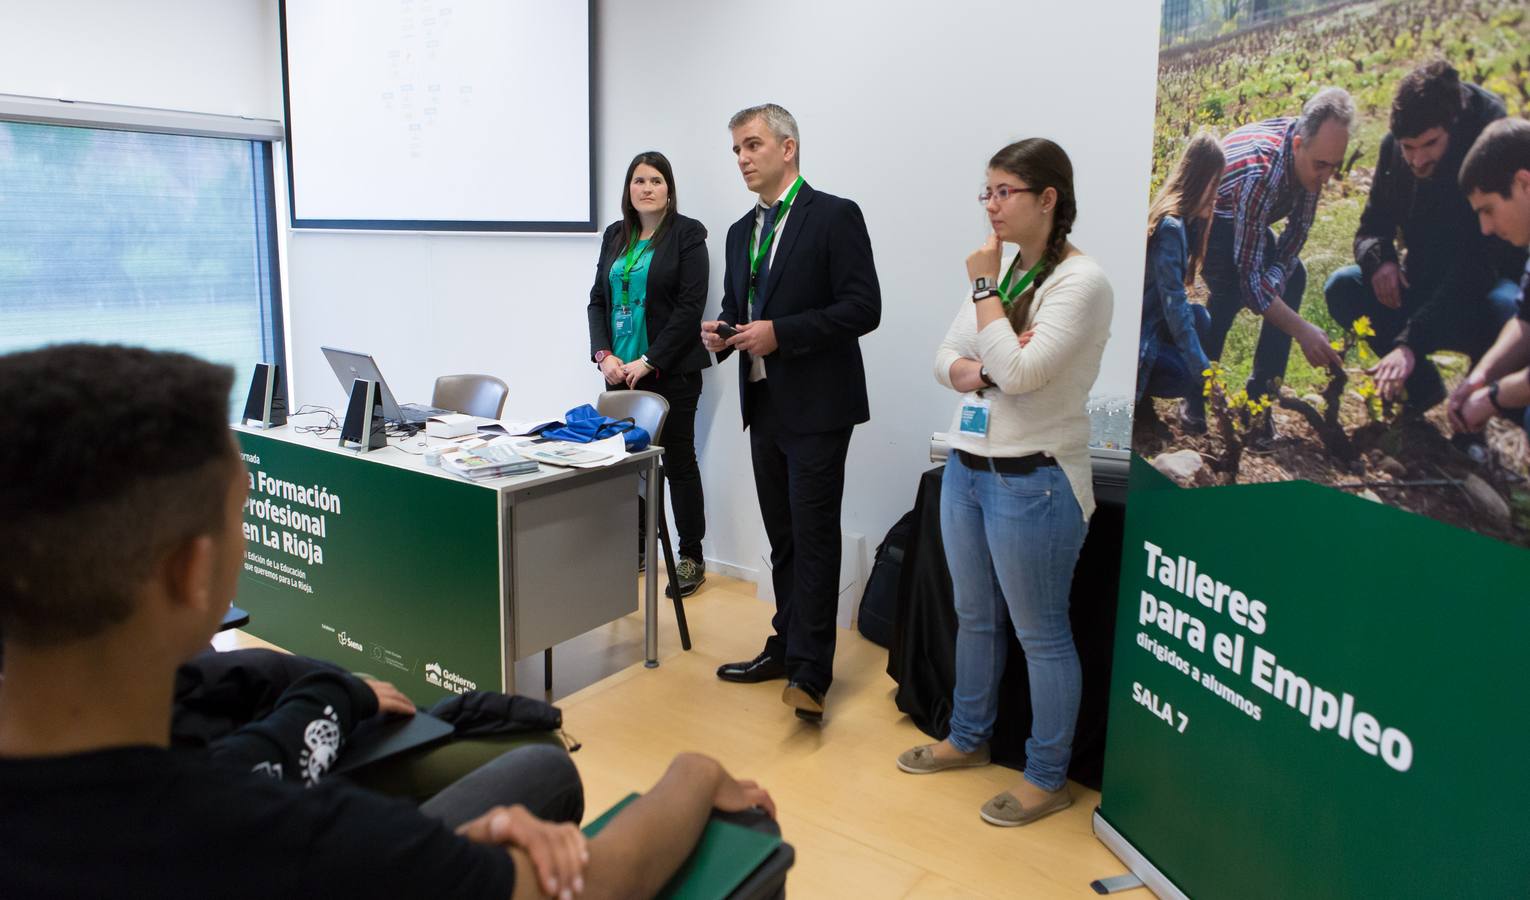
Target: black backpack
879 605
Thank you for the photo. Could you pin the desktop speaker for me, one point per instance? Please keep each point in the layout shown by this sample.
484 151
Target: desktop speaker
267 402
363 424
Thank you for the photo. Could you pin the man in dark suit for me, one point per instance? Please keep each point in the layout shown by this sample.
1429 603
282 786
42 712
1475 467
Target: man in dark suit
800 290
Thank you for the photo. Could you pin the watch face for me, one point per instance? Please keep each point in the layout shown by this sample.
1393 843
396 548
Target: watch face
981 284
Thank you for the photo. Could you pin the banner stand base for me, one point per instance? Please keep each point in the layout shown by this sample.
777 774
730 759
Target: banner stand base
1117 843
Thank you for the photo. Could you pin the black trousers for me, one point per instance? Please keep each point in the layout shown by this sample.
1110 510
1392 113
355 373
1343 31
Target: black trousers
682 475
800 480
1223 281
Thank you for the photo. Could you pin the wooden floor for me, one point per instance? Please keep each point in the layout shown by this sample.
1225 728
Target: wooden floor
861 828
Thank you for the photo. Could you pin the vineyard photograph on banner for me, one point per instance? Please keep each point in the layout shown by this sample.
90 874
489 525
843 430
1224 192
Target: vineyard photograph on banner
1318 285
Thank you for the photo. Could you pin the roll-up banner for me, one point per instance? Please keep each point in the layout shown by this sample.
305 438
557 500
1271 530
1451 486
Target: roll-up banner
1325 587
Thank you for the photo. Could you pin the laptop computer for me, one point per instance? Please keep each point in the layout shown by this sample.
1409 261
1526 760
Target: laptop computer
350 365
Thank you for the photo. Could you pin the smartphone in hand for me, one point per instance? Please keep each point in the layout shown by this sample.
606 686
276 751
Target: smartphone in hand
725 331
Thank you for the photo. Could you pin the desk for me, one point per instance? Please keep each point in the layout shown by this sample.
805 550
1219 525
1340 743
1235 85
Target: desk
389 566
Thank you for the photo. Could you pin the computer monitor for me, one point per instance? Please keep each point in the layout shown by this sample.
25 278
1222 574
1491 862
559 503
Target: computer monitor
349 366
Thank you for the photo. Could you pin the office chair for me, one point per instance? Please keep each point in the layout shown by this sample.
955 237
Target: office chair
648 411
476 395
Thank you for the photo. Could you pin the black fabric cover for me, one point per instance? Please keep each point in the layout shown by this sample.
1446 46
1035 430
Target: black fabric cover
922 659
218 693
879 604
488 713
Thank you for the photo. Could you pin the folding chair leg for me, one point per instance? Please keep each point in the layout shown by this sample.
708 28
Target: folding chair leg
674 583
547 670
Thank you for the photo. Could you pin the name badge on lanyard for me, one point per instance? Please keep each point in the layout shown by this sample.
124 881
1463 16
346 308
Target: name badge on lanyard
975 408
621 319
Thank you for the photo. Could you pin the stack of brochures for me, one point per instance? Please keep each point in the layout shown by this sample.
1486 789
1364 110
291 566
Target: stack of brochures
487 461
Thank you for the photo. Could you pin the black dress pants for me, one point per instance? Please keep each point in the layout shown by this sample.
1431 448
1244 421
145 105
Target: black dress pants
682 474
800 480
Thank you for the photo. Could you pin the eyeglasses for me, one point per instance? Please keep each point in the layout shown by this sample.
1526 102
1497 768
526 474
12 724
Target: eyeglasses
1004 192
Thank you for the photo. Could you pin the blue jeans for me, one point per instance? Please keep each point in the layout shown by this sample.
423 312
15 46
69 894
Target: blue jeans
1011 544
1170 375
1471 329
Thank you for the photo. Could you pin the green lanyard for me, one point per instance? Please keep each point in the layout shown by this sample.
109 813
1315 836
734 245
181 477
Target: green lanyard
1008 294
633 255
757 256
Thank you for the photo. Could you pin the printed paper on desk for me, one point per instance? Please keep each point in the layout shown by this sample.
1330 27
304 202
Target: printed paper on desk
580 456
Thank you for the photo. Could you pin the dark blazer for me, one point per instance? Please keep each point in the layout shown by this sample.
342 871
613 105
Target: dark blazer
677 294
821 296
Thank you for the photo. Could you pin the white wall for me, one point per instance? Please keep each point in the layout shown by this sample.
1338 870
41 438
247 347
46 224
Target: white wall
208 56
899 109
900 105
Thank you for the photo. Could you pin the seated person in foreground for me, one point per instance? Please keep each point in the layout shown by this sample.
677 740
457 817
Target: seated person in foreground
120 548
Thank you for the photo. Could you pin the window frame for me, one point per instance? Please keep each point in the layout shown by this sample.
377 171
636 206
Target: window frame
264 133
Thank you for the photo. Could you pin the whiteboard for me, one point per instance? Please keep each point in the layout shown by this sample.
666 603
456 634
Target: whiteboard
449 115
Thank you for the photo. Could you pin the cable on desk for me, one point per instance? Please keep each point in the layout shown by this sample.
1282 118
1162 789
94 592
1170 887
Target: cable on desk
332 422
420 443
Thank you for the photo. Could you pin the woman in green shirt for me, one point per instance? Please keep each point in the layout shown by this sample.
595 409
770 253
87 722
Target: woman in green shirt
645 324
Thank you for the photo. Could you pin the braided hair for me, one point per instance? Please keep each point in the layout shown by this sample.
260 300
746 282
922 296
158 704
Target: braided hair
1041 164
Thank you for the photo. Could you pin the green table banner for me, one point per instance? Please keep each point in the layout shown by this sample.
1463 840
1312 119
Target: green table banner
382 570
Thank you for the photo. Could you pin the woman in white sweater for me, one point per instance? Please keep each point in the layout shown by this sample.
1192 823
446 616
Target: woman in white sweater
1022 354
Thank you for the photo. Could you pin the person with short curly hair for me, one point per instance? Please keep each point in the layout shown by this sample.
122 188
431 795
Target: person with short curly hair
1453 288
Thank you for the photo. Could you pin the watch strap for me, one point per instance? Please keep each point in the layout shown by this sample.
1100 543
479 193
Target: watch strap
1492 389
984 294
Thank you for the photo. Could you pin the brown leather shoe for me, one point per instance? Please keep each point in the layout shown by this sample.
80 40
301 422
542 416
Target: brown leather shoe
1006 811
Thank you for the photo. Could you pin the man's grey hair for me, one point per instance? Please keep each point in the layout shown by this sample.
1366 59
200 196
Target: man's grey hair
777 119
1329 105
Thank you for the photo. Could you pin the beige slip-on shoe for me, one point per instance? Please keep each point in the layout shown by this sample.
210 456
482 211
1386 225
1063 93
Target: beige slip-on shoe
1006 811
921 760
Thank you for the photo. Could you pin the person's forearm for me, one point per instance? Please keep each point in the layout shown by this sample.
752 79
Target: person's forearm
277 744
989 311
1284 317
1514 390
1509 352
967 375
646 843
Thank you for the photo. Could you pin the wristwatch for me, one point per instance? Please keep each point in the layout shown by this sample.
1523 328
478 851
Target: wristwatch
981 283
987 379
600 356
1493 398
984 294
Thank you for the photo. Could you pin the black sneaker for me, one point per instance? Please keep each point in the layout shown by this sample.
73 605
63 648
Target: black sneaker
690 574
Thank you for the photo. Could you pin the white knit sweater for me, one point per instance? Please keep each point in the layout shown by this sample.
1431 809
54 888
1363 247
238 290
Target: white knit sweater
1039 404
